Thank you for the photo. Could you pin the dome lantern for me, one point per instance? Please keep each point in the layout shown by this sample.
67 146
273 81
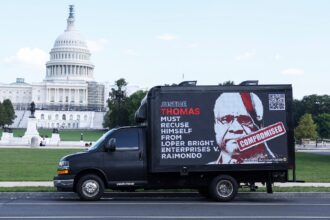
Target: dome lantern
70 56
70 19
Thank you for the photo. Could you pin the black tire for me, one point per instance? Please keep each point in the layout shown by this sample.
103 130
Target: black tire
223 188
90 187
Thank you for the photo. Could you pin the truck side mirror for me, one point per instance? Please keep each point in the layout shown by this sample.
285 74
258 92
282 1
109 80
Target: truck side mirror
111 145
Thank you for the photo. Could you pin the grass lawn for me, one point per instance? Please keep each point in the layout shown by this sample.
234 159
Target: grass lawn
30 164
41 165
312 167
66 135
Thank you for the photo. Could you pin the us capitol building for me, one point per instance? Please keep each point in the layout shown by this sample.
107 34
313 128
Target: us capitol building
68 97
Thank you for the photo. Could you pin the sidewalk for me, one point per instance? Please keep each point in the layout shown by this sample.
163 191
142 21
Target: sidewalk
27 184
50 184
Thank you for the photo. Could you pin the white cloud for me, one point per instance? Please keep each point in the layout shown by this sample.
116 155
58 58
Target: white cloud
130 52
193 45
96 45
34 57
167 37
293 72
246 55
277 56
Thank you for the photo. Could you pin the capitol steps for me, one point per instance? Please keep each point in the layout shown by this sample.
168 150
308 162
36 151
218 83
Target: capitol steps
21 119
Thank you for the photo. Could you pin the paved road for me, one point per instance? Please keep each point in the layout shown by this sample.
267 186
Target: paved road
165 206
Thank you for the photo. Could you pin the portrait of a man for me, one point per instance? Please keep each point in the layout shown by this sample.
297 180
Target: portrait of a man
237 115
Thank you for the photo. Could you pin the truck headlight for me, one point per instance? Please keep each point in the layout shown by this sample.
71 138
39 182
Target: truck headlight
64 164
63 167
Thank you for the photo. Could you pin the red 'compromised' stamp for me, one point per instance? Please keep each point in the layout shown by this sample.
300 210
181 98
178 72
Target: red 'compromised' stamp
262 135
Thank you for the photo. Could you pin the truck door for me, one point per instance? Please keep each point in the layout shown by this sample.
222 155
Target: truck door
126 165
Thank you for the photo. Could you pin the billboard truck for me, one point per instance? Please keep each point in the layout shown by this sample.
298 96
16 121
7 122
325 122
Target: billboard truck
214 139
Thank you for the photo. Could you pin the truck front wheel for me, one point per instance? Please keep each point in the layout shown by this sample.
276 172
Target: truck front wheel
223 188
90 187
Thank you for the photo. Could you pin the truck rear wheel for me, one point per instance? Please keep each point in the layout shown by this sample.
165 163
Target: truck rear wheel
90 187
223 188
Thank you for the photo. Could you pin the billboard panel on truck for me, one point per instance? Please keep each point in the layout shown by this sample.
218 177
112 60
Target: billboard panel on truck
207 127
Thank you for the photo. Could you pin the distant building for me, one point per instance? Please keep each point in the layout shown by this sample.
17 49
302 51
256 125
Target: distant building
68 97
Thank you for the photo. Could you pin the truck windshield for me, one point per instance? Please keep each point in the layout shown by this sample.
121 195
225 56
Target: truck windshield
99 141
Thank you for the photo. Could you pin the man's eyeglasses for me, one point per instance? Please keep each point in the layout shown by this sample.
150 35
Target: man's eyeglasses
241 119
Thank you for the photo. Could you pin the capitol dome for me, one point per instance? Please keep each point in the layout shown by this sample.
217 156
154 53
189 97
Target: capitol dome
70 56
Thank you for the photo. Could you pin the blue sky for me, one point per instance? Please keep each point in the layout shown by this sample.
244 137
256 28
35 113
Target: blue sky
163 42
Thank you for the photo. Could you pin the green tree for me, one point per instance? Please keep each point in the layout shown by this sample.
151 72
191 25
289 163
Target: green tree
133 103
117 114
2 115
313 104
306 128
227 83
323 125
9 112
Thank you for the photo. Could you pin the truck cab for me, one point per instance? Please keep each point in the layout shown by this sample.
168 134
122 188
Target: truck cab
116 160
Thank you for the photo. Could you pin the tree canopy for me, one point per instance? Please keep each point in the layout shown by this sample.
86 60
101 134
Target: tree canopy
122 108
7 113
323 125
227 83
312 104
306 128
133 103
318 106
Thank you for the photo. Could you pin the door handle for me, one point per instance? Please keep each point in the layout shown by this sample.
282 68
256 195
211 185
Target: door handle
140 155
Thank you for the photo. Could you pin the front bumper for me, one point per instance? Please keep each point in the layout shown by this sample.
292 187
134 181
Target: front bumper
64 183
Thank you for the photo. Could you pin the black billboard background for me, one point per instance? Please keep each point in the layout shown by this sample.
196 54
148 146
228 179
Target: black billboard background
202 126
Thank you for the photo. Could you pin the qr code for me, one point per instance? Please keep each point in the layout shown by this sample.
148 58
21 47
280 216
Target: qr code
276 102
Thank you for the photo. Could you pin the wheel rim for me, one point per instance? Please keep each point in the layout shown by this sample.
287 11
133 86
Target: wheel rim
225 188
90 188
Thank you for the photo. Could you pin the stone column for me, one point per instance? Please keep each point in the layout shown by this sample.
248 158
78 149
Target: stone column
51 94
77 96
55 95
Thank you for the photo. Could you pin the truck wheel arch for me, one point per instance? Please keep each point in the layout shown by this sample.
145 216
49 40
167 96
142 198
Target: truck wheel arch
96 172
